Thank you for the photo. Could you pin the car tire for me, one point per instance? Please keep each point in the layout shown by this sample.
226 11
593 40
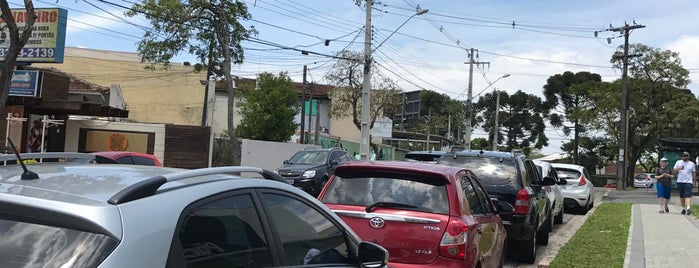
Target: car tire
558 219
543 234
528 252
584 209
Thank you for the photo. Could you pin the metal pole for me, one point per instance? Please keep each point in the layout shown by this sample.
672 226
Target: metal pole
211 100
366 86
497 124
303 107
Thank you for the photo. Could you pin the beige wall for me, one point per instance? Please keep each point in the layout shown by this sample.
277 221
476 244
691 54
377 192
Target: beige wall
346 130
175 96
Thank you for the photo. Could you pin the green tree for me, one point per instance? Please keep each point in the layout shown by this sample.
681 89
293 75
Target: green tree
520 114
346 77
659 103
442 109
566 94
268 113
208 29
17 41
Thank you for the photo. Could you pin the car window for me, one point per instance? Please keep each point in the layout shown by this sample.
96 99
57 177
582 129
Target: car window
530 172
490 170
307 236
26 244
335 156
568 174
482 196
421 193
125 160
423 156
223 233
345 157
140 160
470 195
309 158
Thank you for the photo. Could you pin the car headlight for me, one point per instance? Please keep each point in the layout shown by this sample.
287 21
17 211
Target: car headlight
309 174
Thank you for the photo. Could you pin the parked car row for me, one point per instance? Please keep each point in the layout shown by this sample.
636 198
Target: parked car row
466 210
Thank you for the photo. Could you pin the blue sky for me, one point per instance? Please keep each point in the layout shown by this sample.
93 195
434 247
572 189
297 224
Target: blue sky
429 51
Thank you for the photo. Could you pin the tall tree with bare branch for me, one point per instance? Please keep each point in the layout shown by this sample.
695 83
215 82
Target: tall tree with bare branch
18 38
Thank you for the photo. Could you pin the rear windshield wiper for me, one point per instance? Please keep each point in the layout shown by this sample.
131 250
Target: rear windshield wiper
388 205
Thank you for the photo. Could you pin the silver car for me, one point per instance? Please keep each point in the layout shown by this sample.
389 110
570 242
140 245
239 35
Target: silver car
578 193
76 214
553 192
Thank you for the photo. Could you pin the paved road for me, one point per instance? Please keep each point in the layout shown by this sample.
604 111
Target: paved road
559 236
634 196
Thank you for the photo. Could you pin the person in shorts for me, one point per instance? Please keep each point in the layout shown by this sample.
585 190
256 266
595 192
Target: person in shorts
686 175
663 175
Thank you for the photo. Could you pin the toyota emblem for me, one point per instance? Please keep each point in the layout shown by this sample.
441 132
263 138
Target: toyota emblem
377 222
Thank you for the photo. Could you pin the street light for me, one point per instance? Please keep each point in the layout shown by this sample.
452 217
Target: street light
366 84
469 108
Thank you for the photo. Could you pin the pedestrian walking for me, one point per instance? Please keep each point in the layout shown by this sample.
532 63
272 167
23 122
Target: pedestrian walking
663 176
686 176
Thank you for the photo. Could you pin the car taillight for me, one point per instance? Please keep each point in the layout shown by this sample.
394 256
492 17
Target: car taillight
453 244
583 181
522 202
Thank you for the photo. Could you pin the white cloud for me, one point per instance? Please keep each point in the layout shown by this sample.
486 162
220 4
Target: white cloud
686 46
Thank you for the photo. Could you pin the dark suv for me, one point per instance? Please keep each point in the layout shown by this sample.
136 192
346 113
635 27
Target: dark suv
513 178
309 169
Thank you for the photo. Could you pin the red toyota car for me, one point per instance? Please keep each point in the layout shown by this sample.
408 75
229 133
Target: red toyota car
423 214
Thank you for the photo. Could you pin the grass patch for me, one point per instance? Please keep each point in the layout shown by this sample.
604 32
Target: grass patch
601 241
695 210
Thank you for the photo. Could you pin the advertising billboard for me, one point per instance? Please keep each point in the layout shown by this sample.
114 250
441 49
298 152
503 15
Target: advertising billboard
26 84
47 41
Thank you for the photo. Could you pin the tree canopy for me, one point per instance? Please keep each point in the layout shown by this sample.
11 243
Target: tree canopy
208 29
268 112
346 77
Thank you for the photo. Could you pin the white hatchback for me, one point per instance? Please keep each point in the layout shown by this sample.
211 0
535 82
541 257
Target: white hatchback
578 193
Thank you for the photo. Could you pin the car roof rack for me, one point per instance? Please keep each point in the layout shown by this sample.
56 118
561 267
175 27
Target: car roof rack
46 155
148 187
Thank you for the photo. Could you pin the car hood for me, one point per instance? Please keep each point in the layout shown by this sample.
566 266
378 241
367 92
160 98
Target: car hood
297 168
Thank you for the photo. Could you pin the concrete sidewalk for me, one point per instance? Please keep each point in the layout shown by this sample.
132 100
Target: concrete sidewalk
662 240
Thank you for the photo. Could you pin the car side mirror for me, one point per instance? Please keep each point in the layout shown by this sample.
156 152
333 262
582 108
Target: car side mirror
286 162
372 255
562 181
501 206
548 181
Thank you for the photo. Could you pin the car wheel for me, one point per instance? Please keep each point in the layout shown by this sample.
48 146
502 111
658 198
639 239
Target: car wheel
543 234
528 252
558 219
584 209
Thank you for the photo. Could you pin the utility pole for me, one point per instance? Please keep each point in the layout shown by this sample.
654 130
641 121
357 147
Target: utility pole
310 113
622 168
496 129
469 100
366 86
303 106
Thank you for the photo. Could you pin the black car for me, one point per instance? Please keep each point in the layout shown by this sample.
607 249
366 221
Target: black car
309 169
513 178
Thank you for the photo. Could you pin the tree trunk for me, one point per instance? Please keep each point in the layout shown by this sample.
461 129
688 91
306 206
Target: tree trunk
17 42
225 38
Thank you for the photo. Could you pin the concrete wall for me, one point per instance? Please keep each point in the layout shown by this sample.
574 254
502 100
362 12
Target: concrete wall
173 96
73 128
268 155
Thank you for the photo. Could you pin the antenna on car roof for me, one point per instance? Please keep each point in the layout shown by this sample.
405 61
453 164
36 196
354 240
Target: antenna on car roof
27 174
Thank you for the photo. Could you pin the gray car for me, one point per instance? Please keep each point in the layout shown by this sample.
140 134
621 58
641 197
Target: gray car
75 214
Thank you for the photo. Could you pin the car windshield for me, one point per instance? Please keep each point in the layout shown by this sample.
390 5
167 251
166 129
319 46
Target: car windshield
25 244
309 158
420 194
489 170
